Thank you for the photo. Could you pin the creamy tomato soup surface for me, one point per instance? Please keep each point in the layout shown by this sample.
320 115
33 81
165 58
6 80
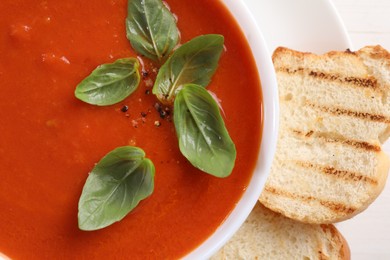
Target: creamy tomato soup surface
50 140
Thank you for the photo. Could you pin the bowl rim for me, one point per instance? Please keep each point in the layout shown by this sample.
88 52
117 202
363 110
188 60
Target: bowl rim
270 124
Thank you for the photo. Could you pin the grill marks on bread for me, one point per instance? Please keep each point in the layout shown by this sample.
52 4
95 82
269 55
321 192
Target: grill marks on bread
336 207
358 82
342 111
332 171
338 139
366 82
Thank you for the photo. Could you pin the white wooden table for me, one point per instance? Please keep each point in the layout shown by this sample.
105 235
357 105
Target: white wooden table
367 23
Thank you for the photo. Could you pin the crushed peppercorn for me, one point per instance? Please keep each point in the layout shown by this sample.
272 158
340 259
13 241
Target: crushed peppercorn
124 108
145 74
164 112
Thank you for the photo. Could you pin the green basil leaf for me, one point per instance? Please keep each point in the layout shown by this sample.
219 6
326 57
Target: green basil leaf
151 28
194 62
110 83
115 186
203 138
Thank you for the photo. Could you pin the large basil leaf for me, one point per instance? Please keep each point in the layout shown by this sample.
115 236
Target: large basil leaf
115 186
110 83
193 62
151 28
203 138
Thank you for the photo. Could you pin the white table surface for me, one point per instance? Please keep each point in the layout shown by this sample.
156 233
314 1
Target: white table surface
367 23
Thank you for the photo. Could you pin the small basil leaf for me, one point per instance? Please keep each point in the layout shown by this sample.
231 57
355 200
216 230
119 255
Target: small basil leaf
203 138
115 186
151 28
110 83
193 62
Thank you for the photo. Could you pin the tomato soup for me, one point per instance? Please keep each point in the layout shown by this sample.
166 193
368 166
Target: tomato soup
50 140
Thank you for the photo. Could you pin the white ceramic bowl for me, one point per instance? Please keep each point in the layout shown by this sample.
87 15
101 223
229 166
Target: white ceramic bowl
270 127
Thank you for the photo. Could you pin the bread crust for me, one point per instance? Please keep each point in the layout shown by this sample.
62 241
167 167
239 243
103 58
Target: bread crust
376 52
345 250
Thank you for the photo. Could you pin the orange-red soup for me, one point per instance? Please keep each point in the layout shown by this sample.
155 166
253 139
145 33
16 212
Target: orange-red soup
50 140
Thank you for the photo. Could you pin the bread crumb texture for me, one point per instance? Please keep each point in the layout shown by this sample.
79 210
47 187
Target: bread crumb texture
334 117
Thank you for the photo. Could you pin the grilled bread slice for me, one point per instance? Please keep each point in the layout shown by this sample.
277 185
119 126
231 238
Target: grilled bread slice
269 235
334 116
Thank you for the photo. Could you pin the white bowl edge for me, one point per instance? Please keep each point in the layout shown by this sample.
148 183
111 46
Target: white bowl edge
269 135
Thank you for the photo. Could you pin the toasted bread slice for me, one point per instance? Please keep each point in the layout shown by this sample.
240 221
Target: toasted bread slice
269 235
334 116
